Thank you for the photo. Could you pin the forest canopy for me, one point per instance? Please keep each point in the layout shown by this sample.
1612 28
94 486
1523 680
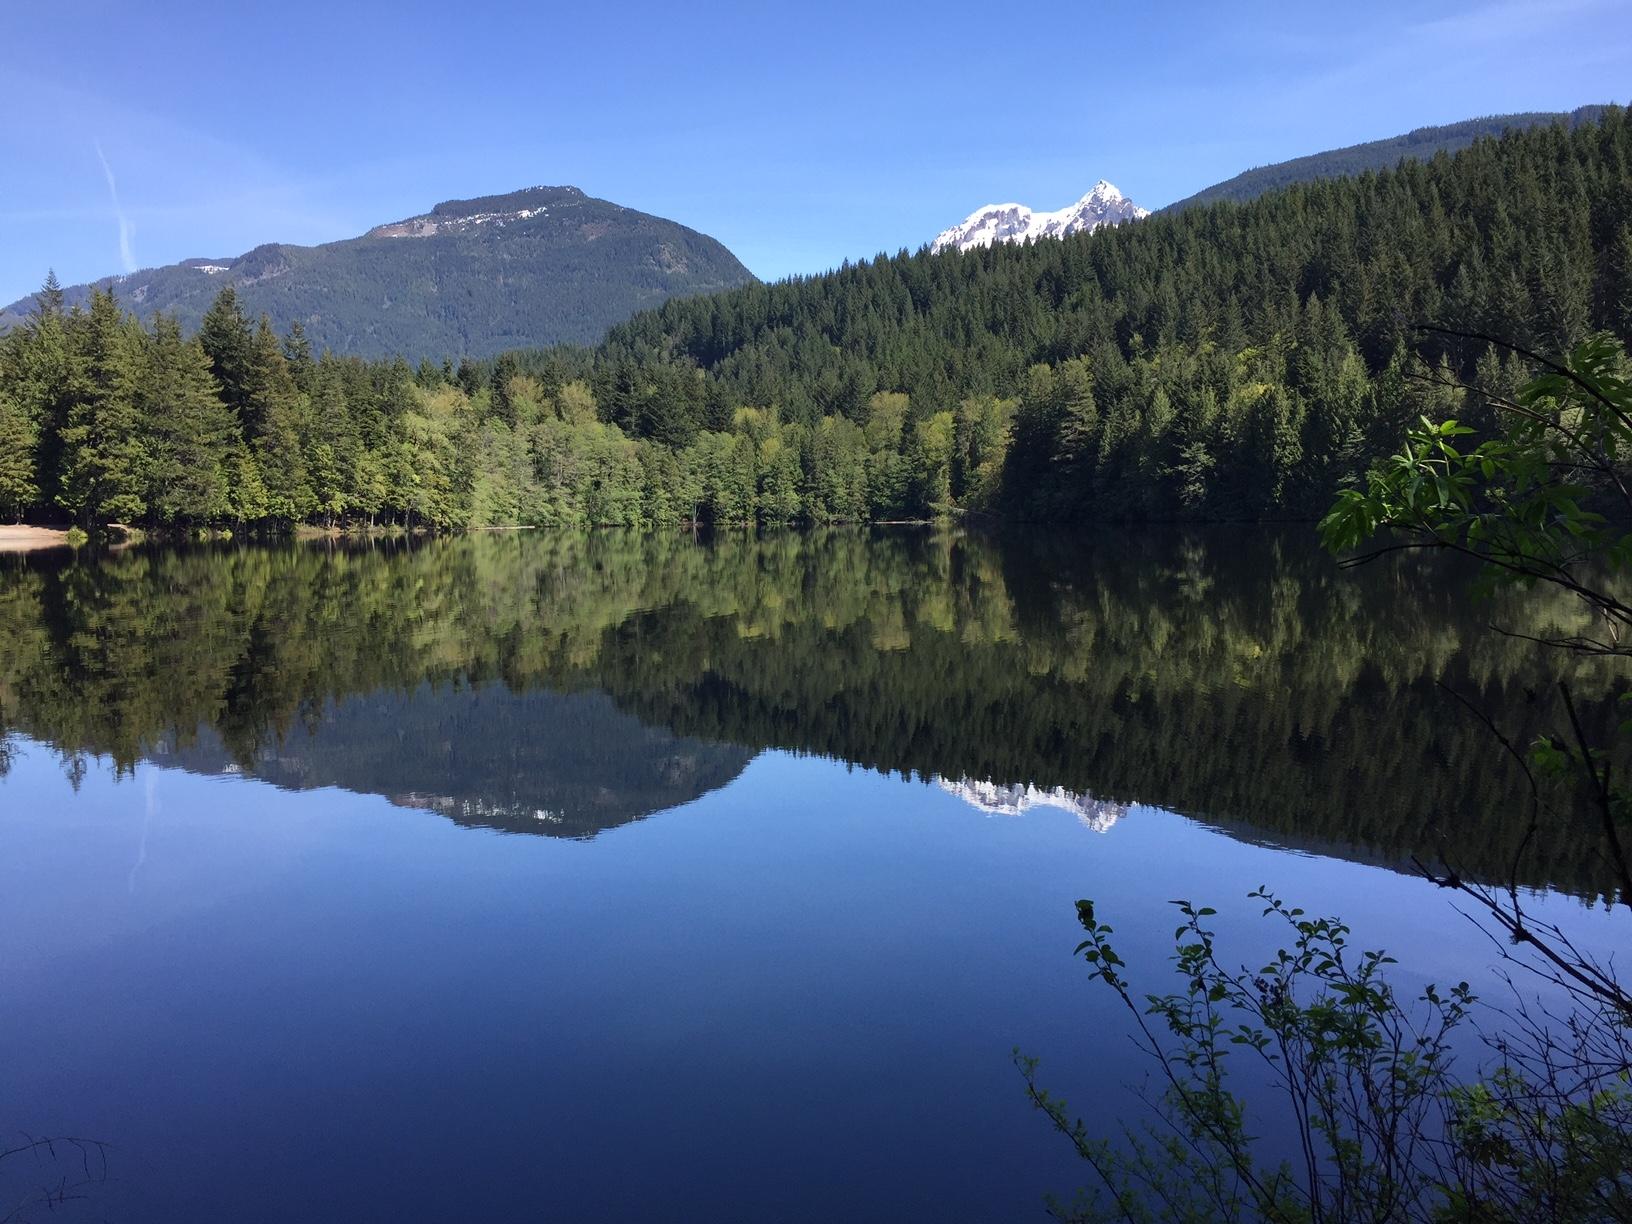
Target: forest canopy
1234 361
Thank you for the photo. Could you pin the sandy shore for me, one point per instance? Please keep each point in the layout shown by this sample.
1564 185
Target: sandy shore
26 539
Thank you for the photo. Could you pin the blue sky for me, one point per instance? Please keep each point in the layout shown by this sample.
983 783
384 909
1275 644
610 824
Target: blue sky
798 134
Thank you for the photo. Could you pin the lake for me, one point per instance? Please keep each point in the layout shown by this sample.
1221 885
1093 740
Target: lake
622 877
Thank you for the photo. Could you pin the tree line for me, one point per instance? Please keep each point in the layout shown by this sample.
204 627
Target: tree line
1226 362
1146 667
106 420
1223 362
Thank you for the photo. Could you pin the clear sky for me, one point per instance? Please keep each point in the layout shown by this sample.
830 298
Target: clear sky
146 131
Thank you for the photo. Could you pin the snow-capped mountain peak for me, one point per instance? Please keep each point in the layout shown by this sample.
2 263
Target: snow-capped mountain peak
1103 205
1015 799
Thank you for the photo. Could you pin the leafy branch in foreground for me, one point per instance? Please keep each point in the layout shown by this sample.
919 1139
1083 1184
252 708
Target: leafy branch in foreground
1362 1076
1310 1090
1381 1127
1546 500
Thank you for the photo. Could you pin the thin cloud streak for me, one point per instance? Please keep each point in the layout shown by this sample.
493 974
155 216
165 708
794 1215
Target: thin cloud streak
127 256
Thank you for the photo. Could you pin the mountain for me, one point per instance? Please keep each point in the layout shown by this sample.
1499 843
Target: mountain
1018 798
1419 144
1234 361
552 763
1104 205
1242 360
541 266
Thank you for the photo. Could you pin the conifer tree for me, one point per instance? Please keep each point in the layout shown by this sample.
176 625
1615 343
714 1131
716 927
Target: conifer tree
19 439
333 449
105 472
297 351
227 339
39 374
1227 361
50 300
1078 412
500 400
275 412
190 432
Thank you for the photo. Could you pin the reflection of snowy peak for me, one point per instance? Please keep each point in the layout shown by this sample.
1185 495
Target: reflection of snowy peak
1015 798
1104 205
479 811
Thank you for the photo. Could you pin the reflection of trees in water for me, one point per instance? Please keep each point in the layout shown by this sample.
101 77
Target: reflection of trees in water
1233 674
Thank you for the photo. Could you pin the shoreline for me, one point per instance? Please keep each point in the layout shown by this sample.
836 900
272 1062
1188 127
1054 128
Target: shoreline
15 538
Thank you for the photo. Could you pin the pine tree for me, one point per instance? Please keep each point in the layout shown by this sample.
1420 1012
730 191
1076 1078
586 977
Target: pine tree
333 448
105 472
190 432
19 438
297 351
247 500
1270 449
1619 291
40 375
276 414
1078 412
227 339
500 401
50 300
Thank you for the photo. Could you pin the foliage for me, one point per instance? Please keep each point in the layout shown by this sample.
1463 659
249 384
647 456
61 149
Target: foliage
1221 363
1544 503
1244 361
1361 1074
1386 1130
239 427
1150 664
1546 500
1381 1126
19 440
42 1175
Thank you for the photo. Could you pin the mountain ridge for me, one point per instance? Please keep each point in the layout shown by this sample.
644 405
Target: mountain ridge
1383 154
470 277
1102 205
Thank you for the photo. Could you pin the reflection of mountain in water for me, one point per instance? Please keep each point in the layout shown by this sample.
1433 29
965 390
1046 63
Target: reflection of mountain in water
562 764
1236 676
1016 799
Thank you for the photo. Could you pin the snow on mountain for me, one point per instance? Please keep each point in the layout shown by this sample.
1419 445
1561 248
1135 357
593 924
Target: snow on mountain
431 226
1014 799
1104 205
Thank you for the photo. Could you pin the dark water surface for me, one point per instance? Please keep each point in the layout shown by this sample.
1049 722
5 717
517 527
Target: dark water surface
634 878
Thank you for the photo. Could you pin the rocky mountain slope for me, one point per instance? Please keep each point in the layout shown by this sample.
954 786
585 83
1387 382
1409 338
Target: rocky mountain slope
471 277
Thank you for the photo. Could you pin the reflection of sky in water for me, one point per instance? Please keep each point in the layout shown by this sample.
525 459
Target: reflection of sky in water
792 998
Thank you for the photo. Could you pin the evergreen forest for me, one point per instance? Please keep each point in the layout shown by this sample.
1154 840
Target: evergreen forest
1419 143
1235 361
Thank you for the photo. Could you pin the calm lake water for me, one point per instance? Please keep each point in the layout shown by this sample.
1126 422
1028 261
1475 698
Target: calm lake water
636 878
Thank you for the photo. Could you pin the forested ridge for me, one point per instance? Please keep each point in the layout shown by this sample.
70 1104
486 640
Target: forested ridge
1224 362
1384 154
